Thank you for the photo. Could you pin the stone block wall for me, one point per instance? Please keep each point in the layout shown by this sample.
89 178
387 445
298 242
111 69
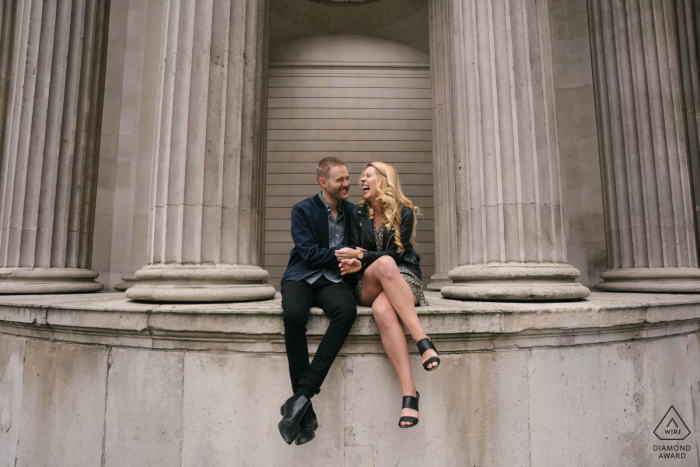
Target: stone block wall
578 140
109 146
85 405
121 223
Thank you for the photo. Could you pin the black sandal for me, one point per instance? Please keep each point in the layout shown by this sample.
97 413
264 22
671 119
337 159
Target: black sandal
409 402
423 346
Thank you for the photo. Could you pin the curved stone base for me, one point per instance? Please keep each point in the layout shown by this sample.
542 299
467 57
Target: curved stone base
48 280
662 280
201 283
515 282
128 281
87 380
438 281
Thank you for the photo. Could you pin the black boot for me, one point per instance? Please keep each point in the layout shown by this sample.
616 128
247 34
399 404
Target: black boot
293 410
308 427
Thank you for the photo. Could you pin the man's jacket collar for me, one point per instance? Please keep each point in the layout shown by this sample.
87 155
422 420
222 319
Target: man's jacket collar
342 204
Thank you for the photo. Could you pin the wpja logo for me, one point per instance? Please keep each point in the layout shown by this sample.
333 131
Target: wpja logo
672 428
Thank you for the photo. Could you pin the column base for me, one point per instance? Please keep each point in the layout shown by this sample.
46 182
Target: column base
515 282
48 280
201 283
438 281
128 281
658 280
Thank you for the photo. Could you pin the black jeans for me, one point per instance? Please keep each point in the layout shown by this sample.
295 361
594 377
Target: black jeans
338 302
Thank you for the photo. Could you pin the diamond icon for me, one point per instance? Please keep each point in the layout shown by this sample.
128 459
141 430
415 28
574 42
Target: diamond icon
671 427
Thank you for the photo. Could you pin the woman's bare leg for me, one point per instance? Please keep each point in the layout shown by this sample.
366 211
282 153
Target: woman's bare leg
383 276
395 346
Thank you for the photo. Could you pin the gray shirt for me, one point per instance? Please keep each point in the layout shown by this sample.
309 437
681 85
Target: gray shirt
336 230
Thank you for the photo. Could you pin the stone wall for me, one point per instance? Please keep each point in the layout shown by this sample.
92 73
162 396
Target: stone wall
90 380
578 140
121 222
403 21
109 147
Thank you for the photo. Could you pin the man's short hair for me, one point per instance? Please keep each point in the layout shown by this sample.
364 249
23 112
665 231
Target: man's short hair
323 169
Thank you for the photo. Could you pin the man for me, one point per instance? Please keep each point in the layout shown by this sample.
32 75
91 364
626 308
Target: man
312 278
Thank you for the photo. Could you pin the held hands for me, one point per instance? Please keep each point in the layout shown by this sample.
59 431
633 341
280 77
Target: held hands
347 253
348 260
348 266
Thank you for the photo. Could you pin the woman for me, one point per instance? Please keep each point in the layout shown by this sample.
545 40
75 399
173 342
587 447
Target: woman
382 230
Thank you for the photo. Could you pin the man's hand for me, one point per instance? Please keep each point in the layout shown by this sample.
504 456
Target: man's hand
346 253
348 266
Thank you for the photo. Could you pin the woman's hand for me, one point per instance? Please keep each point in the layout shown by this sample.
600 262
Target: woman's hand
348 266
346 253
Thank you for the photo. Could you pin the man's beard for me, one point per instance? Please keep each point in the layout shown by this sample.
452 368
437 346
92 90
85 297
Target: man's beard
338 194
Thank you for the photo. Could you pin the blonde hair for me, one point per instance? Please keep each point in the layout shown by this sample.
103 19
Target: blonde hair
392 199
323 169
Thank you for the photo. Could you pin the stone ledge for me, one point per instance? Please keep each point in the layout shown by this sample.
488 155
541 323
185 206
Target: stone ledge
109 318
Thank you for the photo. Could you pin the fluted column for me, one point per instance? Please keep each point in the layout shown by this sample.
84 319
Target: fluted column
52 68
511 240
205 236
688 14
649 221
443 148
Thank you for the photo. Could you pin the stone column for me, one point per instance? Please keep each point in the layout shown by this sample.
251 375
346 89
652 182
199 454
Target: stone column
511 240
205 236
443 148
52 68
649 222
687 13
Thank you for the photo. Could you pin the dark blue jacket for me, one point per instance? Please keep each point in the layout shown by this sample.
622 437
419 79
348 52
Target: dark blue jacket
311 250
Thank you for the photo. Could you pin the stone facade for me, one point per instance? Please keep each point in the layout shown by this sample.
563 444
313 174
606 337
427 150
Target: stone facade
510 223
99 377
293 140
127 134
52 87
578 142
575 214
650 223
204 238
157 147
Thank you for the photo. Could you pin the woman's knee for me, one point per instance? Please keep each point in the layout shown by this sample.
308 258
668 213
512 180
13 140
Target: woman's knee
386 266
384 314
